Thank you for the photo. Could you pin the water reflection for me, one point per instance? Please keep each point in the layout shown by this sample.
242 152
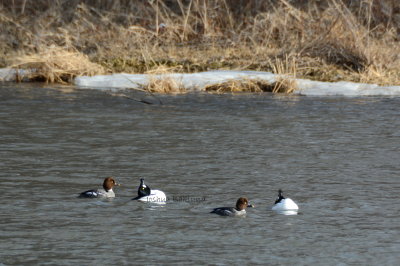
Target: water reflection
287 212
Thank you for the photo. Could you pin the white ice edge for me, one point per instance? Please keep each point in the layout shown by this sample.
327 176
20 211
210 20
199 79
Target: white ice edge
197 81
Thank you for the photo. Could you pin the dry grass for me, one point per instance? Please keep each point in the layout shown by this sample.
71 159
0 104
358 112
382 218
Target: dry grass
282 85
236 86
285 69
161 82
164 85
322 40
57 65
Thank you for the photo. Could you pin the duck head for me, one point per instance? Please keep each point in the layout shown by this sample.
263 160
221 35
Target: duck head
280 196
143 190
109 183
243 203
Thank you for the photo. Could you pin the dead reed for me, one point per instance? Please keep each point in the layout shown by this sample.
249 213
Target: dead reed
160 81
327 40
57 65
165 85
252 86
233 86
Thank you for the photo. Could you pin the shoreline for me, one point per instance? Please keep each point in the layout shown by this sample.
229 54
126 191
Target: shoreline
328 41
222 81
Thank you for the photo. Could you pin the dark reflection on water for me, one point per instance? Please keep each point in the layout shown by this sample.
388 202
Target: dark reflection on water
336 157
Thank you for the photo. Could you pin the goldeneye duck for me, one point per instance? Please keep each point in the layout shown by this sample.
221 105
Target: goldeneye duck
146 194
285 205
105 192
240 209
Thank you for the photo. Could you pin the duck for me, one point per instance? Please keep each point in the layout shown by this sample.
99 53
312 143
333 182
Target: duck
105 192
240 210
146 194
284 204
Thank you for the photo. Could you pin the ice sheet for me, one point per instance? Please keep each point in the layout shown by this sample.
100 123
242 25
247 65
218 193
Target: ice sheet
197 81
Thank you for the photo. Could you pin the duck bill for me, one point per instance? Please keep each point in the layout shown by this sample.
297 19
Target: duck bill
251 206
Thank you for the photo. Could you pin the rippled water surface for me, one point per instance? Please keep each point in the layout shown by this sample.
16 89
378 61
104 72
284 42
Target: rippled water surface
338 158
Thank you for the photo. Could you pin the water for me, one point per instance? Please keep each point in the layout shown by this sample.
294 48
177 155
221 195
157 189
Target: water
337 157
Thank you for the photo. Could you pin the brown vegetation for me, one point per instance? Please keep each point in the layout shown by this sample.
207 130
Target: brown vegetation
164 84
325 40
282 85
56 65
